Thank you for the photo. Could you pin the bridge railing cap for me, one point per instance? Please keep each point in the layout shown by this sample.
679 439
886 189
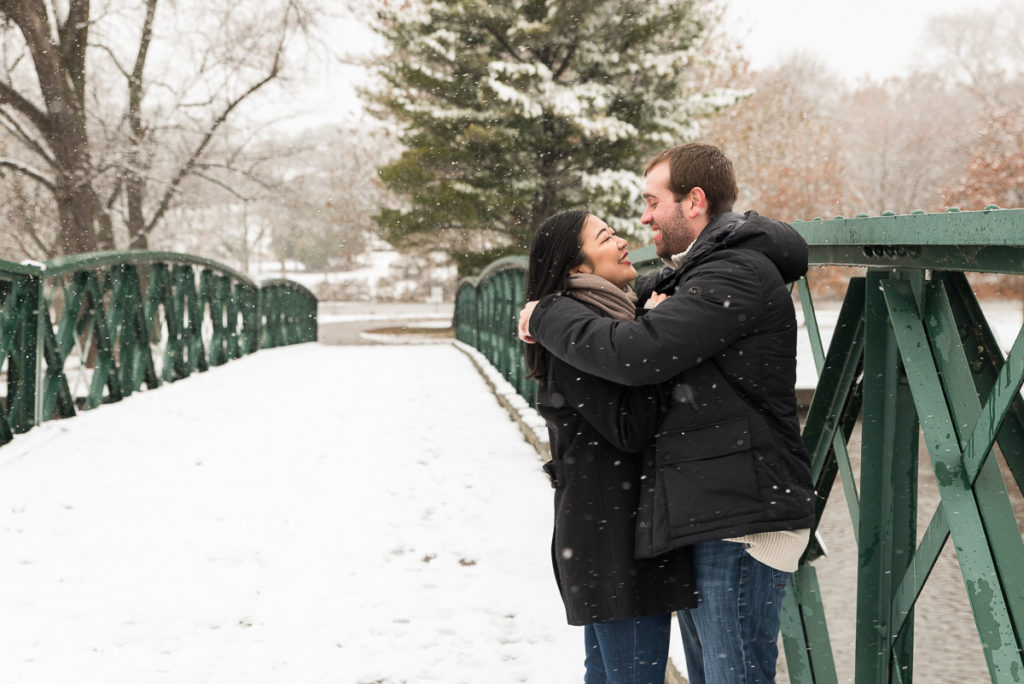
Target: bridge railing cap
77 262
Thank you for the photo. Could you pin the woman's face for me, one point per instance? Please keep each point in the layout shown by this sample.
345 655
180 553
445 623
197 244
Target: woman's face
604 253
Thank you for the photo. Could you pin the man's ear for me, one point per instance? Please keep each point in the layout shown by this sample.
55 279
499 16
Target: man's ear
700 200
697 202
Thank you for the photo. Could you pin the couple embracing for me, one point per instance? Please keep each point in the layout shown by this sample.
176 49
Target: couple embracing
681 480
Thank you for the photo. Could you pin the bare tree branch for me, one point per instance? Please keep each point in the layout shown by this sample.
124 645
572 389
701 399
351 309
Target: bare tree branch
44 249
26 170
135 185
74 40
190 164
140 58
113 58
24 137
225 186
28 109
248 175
114 194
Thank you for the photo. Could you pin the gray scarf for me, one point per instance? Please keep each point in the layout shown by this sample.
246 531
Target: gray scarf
619 303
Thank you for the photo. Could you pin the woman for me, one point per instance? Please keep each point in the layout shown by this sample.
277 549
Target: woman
599 434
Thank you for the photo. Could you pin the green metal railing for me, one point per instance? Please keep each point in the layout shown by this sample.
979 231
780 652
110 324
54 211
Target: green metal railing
487 315
912 353
88 329
287 314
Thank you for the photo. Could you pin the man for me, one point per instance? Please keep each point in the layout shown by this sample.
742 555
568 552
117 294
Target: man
730 475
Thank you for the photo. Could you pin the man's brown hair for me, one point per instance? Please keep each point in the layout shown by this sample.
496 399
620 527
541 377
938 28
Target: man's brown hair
699 165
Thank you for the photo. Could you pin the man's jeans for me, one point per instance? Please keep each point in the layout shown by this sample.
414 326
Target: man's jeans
731 636
628 651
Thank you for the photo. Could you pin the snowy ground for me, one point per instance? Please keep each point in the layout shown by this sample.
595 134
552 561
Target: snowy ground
346 312
348 515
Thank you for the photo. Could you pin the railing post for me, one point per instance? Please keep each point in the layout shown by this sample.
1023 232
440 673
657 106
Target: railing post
22 353
41 320
888 512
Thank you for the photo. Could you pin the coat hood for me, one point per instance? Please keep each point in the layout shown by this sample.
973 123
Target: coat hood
778 241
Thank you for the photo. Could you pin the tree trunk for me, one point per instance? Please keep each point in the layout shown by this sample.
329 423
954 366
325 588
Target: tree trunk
60 68
138 162
74 208
135 191
103 224
73 189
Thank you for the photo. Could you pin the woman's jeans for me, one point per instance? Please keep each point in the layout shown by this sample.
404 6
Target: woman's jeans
633 651
731 636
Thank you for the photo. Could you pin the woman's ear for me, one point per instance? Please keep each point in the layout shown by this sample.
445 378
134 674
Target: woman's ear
583 267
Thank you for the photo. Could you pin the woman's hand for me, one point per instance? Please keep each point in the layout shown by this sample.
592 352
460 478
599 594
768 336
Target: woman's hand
524 322
654 300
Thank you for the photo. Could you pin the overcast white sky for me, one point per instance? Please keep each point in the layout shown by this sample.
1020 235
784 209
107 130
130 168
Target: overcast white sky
874 38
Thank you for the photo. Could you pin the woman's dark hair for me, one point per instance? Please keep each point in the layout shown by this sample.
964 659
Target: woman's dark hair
556 248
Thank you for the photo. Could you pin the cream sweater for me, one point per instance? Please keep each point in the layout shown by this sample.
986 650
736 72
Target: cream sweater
780 550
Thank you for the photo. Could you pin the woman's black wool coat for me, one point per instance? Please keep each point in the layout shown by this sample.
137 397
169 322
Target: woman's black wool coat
600 433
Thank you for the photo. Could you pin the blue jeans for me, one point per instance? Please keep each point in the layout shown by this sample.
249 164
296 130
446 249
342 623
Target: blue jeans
731 636
632 651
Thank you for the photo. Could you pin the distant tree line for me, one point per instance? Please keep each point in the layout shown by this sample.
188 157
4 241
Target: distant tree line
951 134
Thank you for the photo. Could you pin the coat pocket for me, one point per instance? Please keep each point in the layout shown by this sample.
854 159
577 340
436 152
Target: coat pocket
707 474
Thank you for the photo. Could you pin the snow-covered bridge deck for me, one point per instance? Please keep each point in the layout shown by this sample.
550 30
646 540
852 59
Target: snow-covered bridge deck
305 514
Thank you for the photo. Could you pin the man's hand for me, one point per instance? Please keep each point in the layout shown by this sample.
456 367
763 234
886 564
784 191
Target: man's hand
524 322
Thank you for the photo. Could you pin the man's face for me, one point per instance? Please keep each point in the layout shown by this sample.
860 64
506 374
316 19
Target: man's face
673 231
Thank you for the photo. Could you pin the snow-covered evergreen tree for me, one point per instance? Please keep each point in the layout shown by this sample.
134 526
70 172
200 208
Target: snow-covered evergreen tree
511 110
